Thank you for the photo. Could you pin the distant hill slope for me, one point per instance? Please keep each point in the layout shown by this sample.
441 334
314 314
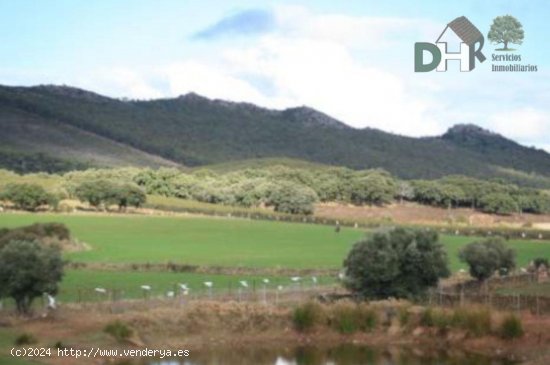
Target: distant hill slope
193 130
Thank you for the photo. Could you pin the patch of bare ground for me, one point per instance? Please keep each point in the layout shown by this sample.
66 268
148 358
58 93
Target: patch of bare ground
412 213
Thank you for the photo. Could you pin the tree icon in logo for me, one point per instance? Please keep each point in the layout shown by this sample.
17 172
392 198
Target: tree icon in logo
506 29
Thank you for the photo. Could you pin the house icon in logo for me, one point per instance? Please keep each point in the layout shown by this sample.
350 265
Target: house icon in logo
460 31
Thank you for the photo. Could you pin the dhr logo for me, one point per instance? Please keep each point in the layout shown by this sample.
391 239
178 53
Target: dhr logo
471 42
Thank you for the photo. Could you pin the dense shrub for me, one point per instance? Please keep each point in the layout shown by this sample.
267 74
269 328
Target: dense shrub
27 271
404 316
127 195
308 316
119 330
476 320
95 192
254 187
375 188
28 196
345 317
36 232
367 318
511 327
486 257
499 203
25 339
400 263
427 318
106 192
292 198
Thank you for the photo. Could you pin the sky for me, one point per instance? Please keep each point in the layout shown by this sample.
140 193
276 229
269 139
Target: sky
353 60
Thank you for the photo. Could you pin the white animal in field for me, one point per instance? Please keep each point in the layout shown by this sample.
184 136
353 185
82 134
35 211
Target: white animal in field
244 283
295 278
146 287
101 290
51 302
208 284
314 279
266 281
170 294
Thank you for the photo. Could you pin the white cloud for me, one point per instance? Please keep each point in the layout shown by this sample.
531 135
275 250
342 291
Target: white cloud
326 76
117 82
309 59
208 80
357 69
352 31
526 124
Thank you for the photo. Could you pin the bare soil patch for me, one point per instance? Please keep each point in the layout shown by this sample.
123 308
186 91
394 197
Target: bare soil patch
412 213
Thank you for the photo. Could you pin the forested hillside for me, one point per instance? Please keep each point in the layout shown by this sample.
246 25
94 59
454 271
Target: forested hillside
87 128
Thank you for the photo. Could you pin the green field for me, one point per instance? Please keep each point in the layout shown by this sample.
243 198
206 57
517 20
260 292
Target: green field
128 283
200 241
79 285
225 242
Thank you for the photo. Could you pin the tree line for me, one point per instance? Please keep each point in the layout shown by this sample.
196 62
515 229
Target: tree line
289 190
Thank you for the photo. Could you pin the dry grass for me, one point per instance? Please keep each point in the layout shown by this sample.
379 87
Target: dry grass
412 213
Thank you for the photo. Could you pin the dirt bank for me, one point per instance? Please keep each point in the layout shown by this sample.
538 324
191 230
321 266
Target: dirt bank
207 325
412 213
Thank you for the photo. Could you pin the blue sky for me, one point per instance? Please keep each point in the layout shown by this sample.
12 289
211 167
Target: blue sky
352 59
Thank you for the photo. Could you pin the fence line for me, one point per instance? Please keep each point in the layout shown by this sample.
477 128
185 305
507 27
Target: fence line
116 300
535 304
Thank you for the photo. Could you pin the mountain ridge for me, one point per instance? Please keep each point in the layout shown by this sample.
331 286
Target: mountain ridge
194 130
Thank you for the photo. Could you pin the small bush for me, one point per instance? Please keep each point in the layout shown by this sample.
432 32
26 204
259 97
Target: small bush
404 316
367 318
307 316
427 318
511 327
25 339
475 320
344 318
119 330
441 319
459 319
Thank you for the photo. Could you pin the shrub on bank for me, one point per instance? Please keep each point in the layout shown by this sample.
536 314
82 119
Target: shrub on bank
475 320
119 330
511 327
343 317
367 318
25 339
308 316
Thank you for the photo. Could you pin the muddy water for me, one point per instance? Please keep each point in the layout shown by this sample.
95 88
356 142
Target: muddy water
341 355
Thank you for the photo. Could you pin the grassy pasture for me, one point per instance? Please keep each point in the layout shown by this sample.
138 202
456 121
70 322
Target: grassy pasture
200 241
161 282
79 285
226 242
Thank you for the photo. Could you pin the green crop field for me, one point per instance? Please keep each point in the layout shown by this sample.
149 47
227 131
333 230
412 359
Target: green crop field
225 242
